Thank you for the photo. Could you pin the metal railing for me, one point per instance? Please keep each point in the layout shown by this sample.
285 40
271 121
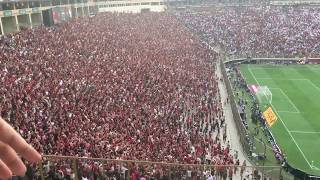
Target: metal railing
52 164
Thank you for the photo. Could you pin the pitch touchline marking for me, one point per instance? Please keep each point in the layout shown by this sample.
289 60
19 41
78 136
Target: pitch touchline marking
293 79
285 126
297 110
289 79
294 112
295 107
286 67
315 167
306 132
315 86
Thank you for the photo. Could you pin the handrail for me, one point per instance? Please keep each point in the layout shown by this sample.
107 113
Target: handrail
170 168
147 162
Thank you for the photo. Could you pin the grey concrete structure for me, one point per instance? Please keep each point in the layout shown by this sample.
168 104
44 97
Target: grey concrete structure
36 19
9 24
24 21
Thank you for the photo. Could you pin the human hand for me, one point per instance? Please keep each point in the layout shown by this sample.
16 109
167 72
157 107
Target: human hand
11 144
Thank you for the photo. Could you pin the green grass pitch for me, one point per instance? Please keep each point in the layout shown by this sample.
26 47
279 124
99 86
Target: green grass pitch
296 102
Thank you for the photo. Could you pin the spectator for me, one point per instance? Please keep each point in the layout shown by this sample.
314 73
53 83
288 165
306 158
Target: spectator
116 86
11 143
284 31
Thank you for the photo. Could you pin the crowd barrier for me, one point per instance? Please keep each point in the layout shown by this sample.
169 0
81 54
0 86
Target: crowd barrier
235 112
170 170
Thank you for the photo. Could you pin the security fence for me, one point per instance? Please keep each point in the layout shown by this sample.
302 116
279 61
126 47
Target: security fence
70 167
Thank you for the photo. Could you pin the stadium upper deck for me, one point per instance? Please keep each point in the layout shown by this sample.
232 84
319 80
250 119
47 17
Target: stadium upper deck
17 15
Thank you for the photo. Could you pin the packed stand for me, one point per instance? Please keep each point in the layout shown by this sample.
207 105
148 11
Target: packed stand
282 31
116 86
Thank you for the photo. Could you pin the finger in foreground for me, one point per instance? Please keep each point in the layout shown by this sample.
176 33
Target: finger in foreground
5 172
12 160
12 138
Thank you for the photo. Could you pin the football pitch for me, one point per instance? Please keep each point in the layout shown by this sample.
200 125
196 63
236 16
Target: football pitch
296 101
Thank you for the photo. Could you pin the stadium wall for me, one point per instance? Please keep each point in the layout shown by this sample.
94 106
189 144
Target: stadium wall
133 6
14 20
235 112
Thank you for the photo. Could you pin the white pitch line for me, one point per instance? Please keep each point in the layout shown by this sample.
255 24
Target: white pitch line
293 79
315 167
297 110
289 79
285 67
315 86
306 132
285 126
293 112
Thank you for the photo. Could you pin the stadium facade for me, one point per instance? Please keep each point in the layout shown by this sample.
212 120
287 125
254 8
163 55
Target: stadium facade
17 15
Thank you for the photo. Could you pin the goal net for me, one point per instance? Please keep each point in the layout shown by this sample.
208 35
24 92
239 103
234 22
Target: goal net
264 95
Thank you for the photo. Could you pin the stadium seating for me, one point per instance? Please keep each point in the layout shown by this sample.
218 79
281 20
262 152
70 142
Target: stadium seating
287 31
132 87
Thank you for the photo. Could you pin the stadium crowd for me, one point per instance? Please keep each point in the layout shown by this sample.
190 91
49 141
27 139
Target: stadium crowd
284 31
138 86
247 32
133 87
